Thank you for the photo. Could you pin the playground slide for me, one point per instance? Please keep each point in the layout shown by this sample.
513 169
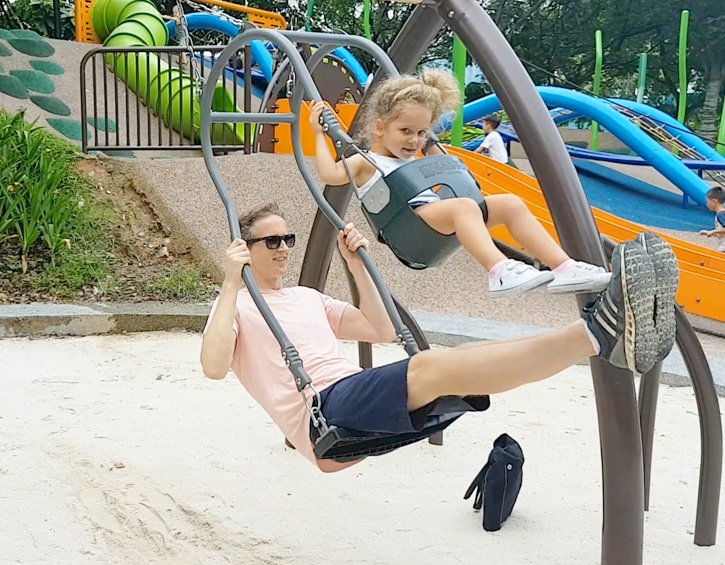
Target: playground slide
638 201
702 284
344 54
667 122
641 143
168 91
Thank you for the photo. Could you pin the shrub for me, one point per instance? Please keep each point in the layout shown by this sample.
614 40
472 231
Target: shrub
38 203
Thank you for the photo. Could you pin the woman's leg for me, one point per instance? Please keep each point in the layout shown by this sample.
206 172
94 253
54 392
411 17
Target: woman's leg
618 327
495 367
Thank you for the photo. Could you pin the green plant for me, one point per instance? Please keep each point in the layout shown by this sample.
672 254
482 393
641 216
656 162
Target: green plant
37 203
181 282
39 16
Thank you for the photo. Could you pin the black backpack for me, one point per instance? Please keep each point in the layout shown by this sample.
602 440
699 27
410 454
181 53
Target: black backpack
497 485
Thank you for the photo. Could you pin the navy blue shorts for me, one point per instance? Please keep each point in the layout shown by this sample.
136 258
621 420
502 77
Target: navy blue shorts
374 402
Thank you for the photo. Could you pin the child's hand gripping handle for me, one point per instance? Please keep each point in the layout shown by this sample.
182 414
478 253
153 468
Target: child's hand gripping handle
333 128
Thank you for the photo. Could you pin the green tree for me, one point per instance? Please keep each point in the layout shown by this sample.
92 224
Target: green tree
39 16
555 39
346 16
706 56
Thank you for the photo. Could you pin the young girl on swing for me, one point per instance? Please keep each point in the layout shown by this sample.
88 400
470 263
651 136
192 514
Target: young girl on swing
396 126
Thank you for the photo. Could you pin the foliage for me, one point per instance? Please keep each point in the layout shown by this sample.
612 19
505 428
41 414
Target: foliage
555 39
181 282
39 16
59 239
37 204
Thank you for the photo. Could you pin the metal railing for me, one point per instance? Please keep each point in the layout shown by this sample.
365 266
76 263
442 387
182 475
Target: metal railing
137 109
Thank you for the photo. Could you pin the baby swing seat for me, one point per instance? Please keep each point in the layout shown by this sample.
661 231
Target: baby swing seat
396 224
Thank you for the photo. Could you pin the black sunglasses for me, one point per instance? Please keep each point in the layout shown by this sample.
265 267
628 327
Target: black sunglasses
274 241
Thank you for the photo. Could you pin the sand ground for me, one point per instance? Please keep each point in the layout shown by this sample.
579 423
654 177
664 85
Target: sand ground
117 450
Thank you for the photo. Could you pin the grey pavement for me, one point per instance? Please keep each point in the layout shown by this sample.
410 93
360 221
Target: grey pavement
440 329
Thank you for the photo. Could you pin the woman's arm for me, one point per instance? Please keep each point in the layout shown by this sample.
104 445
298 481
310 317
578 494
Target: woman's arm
219 341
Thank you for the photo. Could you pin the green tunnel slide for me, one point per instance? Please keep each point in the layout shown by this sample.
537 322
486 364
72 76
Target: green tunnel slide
168 91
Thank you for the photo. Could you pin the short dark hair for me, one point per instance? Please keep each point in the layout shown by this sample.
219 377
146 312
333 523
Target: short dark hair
717 193
493 119
253 215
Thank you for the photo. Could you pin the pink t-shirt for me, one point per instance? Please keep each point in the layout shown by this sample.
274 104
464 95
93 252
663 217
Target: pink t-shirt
311 321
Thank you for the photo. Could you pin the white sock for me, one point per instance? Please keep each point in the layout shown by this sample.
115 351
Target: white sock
592 338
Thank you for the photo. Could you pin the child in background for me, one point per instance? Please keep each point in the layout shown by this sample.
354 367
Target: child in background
716 203
493 144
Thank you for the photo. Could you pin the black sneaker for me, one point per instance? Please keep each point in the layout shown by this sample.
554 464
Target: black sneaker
667 272
622 316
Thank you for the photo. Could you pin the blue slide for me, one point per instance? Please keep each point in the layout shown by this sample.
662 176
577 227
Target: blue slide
617 124
343 53
638 201
669 124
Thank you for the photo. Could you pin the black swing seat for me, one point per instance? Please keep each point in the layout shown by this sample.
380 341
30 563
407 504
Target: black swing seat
343 445
394 222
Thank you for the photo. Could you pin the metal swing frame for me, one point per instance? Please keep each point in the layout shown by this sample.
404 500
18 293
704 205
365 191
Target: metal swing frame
626 429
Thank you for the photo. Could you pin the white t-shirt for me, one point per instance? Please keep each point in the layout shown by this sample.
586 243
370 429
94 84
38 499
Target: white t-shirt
720 223
496 147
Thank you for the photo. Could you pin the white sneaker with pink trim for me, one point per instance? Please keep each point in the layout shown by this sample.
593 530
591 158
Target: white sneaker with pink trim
580 277
516 277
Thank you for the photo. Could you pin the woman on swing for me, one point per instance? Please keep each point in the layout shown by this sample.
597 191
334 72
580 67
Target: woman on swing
630 324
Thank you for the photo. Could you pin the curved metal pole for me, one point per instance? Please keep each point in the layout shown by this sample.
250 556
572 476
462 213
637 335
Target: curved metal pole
304 81
278 73
290 354
711 437
312 62
708 410
621 445
649 388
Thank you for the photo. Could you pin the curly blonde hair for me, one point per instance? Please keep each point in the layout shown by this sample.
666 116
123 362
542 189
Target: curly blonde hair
434 89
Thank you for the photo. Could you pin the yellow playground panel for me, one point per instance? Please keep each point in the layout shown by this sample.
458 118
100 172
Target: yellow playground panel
283 132
260 18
